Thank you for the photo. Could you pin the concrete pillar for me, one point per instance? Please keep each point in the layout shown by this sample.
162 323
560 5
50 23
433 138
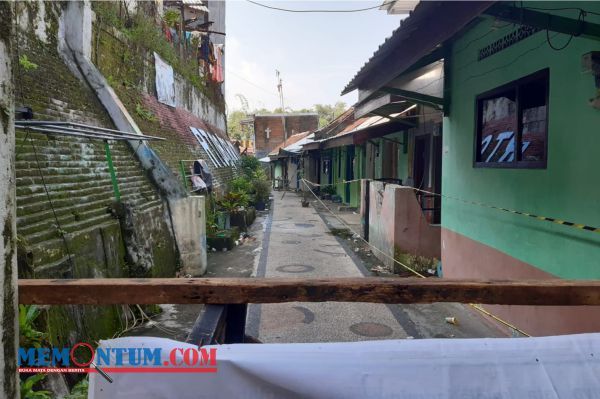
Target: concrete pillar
189 224
8 243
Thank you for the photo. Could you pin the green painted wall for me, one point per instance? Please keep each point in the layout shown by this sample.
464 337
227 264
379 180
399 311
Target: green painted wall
339 158
378 159
278 171
567 189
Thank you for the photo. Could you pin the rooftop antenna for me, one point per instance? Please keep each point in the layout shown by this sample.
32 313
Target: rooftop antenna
280 90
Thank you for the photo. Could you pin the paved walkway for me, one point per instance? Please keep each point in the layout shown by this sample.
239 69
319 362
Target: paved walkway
300 245
297 243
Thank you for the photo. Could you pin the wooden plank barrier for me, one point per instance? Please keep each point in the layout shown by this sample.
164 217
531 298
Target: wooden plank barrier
277 290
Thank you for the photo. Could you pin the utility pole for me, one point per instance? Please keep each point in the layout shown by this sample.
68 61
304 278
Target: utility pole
280 90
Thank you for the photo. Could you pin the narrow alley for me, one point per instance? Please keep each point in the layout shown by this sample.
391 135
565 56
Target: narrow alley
308 199
298 242
294 241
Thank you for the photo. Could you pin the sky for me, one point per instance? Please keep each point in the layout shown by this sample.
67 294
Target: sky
317 54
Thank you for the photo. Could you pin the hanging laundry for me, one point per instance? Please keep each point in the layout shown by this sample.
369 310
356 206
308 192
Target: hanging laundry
174 35
167 32
218 75
205 48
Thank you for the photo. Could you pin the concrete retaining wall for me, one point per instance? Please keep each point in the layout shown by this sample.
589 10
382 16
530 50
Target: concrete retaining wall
396 223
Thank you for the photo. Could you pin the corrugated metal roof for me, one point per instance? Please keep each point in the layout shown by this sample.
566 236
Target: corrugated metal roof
290 141
428 16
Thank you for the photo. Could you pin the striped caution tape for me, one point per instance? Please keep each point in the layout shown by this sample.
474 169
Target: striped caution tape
410 269
515 212
331 184
578 226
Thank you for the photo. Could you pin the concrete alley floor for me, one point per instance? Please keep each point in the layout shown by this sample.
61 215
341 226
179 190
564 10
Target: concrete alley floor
292 241
176 321
298 243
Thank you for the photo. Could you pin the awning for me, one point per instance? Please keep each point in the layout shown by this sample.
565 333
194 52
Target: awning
370 128
418 41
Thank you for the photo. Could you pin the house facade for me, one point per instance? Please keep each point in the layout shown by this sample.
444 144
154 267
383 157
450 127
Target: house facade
519 91
272 130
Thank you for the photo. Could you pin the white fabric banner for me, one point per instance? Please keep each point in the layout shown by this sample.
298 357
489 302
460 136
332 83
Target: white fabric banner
547 367
165 81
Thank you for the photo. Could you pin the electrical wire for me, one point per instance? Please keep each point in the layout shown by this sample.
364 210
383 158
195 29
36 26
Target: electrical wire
318 11
250 82
58 226
580 19
474 306
563 9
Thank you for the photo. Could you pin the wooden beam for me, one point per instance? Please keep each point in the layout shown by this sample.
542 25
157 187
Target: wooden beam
278 290
542 20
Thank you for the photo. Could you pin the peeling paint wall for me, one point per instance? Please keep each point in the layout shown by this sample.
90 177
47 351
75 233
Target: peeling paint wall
8 250
397 224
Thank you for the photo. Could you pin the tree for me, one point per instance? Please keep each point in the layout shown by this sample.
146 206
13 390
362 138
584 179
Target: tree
327 113
234 127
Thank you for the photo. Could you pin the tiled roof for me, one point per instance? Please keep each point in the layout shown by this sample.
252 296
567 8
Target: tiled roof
291 140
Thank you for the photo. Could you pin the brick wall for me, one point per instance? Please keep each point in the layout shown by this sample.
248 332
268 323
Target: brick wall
294 124
132 77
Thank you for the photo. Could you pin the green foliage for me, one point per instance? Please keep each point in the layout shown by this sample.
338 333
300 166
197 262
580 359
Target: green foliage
249 166
146 34
27 391
26 64
328 190
172 17
28 335
232 201
106 12
240 184
234 127
327 113
145 113
253 180
79 391
211 221
262 189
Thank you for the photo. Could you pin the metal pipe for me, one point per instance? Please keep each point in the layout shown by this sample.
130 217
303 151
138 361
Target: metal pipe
111 169
66 131
94 129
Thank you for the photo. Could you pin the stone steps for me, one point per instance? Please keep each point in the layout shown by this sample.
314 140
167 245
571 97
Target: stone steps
46 228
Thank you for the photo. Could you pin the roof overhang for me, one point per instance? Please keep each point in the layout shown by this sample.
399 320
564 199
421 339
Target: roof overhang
419 40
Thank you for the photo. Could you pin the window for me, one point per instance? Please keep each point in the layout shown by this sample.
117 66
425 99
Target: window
512 124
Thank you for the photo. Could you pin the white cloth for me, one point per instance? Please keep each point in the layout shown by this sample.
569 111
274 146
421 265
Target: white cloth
165 81
548 367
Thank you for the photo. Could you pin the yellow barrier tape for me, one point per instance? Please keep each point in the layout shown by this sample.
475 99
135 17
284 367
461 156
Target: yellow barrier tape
474 306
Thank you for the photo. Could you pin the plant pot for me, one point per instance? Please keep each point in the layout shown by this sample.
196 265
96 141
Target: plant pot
260 205
250 215
238 219
223 220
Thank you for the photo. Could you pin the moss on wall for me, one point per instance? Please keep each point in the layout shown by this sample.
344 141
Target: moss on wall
76 175
129 69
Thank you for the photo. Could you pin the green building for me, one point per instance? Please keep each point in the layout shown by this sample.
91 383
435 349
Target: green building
518 83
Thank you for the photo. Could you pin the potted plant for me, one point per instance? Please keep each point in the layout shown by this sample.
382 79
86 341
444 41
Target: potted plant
233 204
262 190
